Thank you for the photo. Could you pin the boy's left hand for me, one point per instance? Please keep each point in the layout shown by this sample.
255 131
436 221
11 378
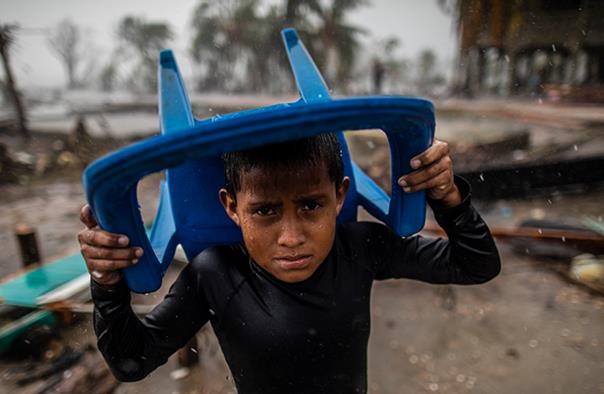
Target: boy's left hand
433 173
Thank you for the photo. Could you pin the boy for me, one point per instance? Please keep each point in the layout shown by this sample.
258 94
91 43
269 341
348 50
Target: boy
290 307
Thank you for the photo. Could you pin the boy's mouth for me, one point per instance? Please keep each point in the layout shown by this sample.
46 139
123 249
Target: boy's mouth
295 262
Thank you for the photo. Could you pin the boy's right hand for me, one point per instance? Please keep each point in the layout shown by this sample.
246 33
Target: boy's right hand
105 253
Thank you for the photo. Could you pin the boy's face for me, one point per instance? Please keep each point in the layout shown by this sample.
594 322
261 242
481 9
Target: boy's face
288 218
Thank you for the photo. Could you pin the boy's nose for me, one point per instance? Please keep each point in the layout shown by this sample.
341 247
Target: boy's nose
291 234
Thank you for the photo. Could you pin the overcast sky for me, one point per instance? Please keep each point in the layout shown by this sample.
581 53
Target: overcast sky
417 23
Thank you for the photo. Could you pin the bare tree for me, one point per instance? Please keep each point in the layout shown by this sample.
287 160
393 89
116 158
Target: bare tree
7 38
65 42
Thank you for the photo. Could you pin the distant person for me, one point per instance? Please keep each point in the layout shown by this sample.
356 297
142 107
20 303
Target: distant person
290 305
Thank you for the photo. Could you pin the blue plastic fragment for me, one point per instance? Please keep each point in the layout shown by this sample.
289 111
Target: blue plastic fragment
190 213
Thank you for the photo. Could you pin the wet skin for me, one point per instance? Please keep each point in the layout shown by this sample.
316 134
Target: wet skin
288 219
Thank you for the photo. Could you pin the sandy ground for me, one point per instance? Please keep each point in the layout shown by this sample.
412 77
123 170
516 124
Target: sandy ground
526 331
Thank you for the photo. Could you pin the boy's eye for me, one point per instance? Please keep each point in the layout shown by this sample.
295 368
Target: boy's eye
311 205
265 211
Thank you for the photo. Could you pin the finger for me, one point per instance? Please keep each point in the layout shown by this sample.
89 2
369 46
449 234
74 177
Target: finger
86 217
444 178
434 153
98 237
103 265
440 191
94 252
424 174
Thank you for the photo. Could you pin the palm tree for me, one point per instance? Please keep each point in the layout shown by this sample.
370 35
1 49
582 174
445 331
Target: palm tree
333 42
227 36
7 38
238 47
147 39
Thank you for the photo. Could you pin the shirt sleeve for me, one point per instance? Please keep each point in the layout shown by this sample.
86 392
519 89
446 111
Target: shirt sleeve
469 256
134 347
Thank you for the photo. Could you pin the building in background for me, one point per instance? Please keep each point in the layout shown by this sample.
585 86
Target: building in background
532 47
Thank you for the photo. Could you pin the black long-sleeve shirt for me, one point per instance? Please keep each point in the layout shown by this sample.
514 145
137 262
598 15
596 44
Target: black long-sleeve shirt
277 337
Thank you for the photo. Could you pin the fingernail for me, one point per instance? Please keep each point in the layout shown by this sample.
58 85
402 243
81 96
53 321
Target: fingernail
415 163
402 182
139 252
122 240
96 274
134 261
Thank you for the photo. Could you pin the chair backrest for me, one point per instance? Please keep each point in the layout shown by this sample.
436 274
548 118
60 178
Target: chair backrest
190 213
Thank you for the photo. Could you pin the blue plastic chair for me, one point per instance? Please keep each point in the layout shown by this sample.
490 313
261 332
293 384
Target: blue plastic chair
190 213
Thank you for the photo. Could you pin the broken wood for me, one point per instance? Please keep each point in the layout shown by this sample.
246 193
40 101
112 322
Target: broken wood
536 178
28 245
581 239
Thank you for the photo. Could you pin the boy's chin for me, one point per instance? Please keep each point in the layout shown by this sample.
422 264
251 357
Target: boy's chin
293 275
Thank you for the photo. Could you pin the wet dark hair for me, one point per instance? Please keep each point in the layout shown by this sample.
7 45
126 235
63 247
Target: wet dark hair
306 152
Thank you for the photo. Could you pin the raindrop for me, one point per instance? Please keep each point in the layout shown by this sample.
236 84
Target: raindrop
575 147
193 350
211 311
433 386
553 48
540 231
460 378
481 177
563 239
507 58
540 100
413 359
533 343
583 32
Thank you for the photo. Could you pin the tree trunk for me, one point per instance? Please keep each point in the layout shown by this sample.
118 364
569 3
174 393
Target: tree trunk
12 90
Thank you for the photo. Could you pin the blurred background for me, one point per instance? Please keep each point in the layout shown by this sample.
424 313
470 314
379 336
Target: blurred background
518 88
